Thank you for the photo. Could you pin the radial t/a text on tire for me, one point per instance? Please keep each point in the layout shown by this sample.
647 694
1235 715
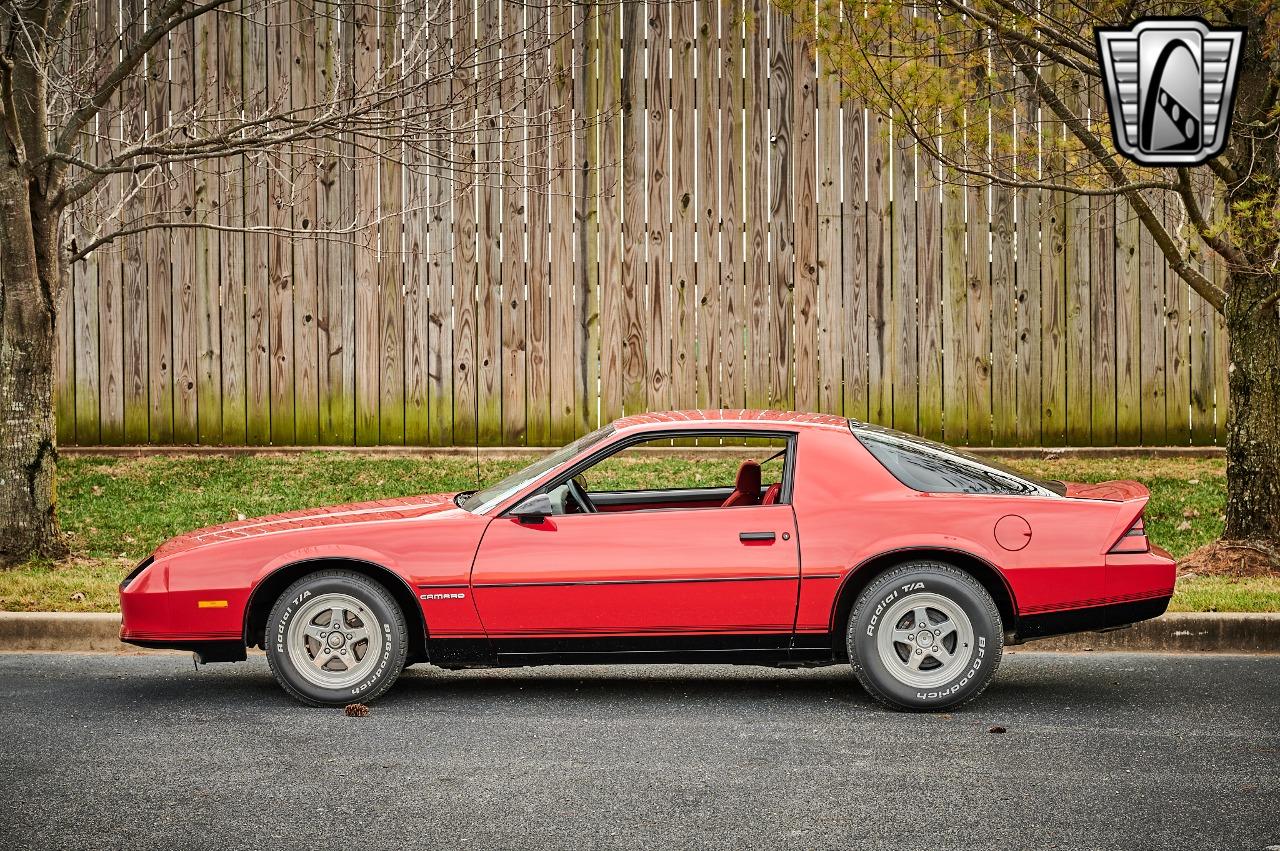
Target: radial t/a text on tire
925 636
336 637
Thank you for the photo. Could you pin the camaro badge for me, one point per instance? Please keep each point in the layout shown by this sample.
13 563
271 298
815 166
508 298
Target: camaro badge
1170 86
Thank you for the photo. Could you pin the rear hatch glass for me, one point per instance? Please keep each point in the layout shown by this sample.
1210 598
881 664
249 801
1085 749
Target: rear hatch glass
931 467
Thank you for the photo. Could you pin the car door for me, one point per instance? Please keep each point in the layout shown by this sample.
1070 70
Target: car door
729 571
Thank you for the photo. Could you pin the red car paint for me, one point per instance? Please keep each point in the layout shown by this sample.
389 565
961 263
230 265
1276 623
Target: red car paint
491 581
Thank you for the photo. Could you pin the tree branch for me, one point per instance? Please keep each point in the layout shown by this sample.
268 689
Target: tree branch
926 141
1206 288
1087 69
58 17
9 109
1224 172
88 248
374 113
934 151
167 20
1224 247
1058 35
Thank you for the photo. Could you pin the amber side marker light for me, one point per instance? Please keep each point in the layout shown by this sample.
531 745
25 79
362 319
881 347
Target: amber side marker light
1134 540
211 604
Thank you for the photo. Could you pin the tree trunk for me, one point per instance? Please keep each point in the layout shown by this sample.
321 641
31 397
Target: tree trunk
28 456
1253 422
1253 323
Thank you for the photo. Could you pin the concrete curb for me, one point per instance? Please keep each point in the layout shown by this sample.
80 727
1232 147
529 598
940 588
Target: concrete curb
71 632
30 632
1180 632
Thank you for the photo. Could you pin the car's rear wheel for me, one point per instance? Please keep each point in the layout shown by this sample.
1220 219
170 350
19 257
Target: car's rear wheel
336 637
925 636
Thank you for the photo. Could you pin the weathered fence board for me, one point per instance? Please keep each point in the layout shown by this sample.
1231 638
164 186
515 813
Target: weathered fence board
634 117
853 257
564 135
183 261
878 282
303 85
258 406
110 282
657 259
365 210
390 249
87 278
281 283
208 244
804 274
1152 333
782 232
489 281
706 288
514 364
440 317
586 298
1128 317
697 215
133 272
830 318
755 69
683 211
538 282
731 287
1004 373
1101 285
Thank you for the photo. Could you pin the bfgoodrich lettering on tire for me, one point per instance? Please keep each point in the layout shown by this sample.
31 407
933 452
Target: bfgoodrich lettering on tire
925 636
336 637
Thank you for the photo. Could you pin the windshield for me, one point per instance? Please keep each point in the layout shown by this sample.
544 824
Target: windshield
486 498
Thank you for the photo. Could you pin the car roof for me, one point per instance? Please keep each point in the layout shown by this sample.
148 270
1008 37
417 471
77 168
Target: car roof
729 417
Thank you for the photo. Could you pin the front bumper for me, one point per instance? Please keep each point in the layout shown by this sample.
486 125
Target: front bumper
206 651
152 616
144 604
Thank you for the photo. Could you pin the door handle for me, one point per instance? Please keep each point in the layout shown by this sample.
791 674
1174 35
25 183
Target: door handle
756 536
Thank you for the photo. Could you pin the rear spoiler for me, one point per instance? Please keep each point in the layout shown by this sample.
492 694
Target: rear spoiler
1130 497
1117 491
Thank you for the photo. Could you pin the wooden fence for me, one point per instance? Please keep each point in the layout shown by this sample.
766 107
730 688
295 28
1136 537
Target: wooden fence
718 229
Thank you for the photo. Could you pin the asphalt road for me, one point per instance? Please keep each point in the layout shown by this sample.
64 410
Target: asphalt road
1101 751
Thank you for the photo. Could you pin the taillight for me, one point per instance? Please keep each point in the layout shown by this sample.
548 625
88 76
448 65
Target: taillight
1134 540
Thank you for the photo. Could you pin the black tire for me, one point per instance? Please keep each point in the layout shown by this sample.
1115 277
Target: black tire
915 585
374 610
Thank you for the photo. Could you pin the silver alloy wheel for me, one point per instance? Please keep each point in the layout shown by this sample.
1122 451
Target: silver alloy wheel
334 641
925 640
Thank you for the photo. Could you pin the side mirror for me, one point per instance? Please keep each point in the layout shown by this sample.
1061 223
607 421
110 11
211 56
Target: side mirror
533 510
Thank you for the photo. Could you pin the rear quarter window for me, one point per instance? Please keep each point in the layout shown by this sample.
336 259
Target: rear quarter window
933 468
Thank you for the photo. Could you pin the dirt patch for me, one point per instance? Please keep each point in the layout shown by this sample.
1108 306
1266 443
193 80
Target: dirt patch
1231 558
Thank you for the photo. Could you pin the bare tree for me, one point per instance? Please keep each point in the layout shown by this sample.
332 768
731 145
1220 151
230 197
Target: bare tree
71 161
939 68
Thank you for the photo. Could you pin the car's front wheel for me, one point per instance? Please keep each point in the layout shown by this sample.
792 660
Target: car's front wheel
925 636
336 637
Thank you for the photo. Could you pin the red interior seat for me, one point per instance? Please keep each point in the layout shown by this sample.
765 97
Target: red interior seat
746 488
772 493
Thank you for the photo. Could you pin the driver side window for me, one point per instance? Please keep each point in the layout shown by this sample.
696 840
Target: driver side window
734 470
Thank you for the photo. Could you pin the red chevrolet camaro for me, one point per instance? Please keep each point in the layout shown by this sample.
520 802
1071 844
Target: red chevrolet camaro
844 542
